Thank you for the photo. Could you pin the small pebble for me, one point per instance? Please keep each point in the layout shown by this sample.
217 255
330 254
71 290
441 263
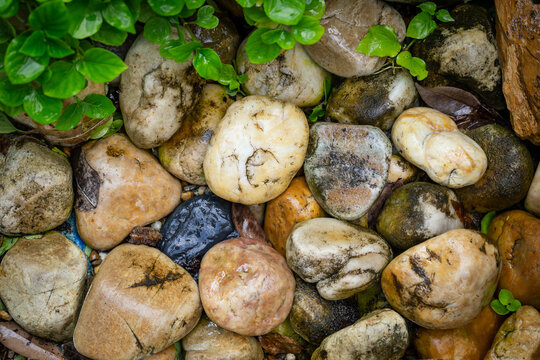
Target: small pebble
5 316
187 195
93 256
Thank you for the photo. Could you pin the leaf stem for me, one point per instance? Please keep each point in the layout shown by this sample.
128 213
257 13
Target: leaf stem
409 44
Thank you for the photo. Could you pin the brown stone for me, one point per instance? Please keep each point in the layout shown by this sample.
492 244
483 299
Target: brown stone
469 342
295 205
518 40
167 354
517 234
279 344
144 235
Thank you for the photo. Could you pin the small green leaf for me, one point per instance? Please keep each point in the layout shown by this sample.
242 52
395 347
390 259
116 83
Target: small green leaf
12 110
279 36
146 12
246 3
185 13
166 7
100 65
327 88
167 45
86 18
228 77
41 108
205 17
11 10
6 127
52 17
287 12
7 243
207 63
118 15
428 7
70 118
109 35
183 52
108 128
308 31
35 45
444 16
514 305
505 296
315 8
12 95
499 308
5 4
97 106
21 68
58 151
416 66
486 221
381 41
257 51
255 16
58 49
178 348
421 26
7 31
65 81
194 4
157 30
316 114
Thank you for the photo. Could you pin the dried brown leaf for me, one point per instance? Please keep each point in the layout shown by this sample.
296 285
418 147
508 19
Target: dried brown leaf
87 181
274 344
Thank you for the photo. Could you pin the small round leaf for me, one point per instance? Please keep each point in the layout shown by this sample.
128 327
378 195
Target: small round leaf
505 296
13 95
499 308
109 35
381 40
20 68
118 15
35 45
71 117
287 12
100 65
444 16
41 108
65 81
157 30
207 63
308 31
257 51
421 26
97 106
52 17
166 7
315 8
58 49
86 18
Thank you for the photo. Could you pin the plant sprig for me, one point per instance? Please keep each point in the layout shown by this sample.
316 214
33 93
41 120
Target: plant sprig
382 40
320 110
505 303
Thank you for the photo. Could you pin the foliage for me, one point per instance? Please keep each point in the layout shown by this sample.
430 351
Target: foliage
486 221
281 23
7 243
505 303
319 110
382 41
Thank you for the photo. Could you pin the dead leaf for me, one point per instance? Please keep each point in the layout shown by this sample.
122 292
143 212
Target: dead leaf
274 344
144 236
246 224
87 181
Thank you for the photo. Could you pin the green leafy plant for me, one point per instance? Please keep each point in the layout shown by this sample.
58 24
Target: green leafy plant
486 221
280 24
505 303
382 40
7 243
320 110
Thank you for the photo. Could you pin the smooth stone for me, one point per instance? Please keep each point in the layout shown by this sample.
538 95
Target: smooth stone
246 286
293 206
169 353
246 223
346 167
37 190
372 100
417 212
401 170
315 318
517 235
532 201
343 259
371 299
380 335
42 285
209 341
140 302
133 190
508 175
193 228
444 282
518 337
223 39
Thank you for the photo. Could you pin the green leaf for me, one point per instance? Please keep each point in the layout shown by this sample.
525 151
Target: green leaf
118 15
287 12
279 36
205 17
7 243
157 30
21 68
444 16
108 128
178 348
70 118
315 8
228 77
5 4
65 81
185 13
183 52
327 87
11 10
194 4
146 13
7 32
97 106
381 41
110 35
246 3
514 305
421 26
52 17
207 63
167 45
486 221
499 308
6 127
257 51
257 17
100 65
416 66
35 45
166 7
12 110
134 7
505 296
41 108
58 49
428 7
308 31
316 114
12 95
85 18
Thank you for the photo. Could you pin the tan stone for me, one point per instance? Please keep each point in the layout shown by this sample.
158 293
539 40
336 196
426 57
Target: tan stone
295 205
518 40
134 191
167 354
139 303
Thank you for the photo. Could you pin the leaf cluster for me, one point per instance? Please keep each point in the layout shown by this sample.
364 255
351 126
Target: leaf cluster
505 303
280 24
382 40
320 110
